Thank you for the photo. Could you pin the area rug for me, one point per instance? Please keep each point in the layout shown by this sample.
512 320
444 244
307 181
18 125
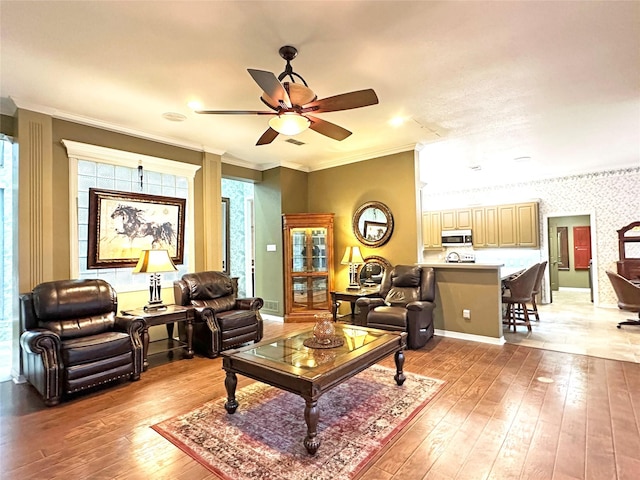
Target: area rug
263 439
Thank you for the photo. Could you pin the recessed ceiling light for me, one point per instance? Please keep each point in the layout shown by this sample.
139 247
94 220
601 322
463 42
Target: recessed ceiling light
475 168
396 121
522 159
194 105
174 117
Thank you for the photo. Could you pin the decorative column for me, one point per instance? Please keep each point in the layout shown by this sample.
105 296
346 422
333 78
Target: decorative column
212 211
35 199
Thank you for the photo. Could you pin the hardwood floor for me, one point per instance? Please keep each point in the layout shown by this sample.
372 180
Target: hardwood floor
506 412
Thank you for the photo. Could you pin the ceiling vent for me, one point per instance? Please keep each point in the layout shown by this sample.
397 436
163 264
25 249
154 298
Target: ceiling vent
294 141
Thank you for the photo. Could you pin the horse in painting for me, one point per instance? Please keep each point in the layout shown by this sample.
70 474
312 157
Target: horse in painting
134 225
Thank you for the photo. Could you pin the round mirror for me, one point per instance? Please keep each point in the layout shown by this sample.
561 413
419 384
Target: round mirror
372 271
373 224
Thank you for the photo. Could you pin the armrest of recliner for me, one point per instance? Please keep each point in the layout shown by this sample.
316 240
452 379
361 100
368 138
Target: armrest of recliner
420 305
365 305
41 341
134 326
250 303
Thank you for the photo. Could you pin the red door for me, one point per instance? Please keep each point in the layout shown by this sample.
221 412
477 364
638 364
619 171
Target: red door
581 247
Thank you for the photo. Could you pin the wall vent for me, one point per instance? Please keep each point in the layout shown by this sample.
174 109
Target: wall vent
294 141
272 305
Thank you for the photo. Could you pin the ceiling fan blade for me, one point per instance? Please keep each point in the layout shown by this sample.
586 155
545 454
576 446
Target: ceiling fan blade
267 137
328 129
235 112
345 101
270 84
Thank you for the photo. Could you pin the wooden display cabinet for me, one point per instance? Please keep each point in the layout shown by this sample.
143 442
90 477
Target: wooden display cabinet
308 268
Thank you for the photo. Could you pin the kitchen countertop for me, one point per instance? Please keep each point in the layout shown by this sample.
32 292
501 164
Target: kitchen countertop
472 266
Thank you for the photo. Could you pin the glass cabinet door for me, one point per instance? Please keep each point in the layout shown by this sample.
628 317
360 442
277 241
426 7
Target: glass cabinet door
308 264
309 249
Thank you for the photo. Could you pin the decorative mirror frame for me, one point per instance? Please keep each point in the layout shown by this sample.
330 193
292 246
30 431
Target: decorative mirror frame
360 231
374 259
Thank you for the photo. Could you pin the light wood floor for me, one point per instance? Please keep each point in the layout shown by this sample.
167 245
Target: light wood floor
506 412
573 324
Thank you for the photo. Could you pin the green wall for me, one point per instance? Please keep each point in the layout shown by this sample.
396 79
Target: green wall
341 190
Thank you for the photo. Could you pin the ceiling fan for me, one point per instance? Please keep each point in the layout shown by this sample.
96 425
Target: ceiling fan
292 103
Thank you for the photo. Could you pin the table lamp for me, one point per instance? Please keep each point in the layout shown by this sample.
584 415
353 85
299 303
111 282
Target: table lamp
353 258
154 262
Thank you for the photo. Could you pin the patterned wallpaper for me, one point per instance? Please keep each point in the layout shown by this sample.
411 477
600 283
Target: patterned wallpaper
238 193
612 198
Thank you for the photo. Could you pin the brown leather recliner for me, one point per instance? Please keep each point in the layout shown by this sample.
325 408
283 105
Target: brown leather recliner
72 338
407 301
234 321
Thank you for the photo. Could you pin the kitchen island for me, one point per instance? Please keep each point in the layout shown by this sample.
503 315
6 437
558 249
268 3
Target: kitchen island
476 287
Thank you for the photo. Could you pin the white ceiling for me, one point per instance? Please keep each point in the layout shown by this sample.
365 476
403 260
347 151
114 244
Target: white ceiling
479 83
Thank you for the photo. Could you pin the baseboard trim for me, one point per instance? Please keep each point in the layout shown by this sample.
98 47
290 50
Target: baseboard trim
276 318
471 337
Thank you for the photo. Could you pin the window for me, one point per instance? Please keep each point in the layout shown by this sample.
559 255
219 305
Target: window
99 167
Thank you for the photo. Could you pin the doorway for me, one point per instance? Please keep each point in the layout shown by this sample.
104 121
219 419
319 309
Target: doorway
570 257
238 240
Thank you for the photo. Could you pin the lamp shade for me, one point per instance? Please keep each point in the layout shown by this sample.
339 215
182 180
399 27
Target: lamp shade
352 256
154 261
289 123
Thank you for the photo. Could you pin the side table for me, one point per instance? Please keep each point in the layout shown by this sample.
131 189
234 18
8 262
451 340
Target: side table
165 316
350 296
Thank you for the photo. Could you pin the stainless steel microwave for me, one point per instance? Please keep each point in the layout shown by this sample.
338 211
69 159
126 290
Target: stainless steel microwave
453 238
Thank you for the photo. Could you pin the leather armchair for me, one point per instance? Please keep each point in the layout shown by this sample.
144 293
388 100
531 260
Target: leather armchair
73 340
407 301
222 320
628 295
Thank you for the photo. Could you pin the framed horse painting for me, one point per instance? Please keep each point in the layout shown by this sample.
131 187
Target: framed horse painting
121 224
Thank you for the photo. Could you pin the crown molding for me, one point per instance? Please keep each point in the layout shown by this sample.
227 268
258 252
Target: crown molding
364 156
92 122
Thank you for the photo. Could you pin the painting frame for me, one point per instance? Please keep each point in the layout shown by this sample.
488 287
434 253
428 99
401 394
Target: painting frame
374 231
121 224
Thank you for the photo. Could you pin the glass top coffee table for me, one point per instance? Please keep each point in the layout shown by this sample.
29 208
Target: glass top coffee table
284 362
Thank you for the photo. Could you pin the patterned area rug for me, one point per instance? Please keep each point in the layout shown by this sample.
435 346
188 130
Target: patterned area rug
263 439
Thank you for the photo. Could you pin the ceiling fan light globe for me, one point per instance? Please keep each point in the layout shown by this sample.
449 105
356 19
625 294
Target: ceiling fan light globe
289 123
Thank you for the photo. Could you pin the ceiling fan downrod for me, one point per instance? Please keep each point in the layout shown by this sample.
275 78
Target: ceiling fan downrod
289 53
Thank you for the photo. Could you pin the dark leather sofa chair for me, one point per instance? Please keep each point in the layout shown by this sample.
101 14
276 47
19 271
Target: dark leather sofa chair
407 301
73 340
234 321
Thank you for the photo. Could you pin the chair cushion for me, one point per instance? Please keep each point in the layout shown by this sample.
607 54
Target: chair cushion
65 299
80 327
400 296
220 304
406 276
208 285
232 319
76 351
389 318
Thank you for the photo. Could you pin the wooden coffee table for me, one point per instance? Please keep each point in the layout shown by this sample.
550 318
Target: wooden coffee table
284 362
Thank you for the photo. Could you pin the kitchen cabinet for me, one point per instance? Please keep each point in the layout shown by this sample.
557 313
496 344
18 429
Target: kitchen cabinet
458 219
431 230
308 269
496 226
518 225
485 227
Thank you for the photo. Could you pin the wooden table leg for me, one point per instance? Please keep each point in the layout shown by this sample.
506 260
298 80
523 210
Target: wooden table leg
230 383
311 416
399 376
189 322
145 348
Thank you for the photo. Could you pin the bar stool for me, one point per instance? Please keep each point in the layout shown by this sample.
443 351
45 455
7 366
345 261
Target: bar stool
520 292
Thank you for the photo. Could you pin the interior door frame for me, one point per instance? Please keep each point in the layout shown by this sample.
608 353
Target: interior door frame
544 251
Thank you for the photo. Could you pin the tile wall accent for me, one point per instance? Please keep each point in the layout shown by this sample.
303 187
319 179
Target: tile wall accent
612 197
124 179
